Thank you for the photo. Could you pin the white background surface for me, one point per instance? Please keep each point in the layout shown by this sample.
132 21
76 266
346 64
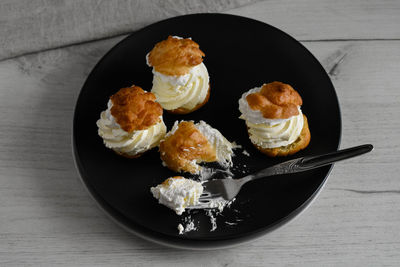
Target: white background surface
46 216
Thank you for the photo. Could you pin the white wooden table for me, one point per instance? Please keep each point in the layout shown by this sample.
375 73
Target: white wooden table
47 49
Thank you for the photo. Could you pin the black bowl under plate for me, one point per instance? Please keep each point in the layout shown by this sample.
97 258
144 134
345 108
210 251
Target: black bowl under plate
241 54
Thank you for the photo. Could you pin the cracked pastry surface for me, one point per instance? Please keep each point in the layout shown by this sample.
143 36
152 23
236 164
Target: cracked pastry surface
188 144
132 122
274 119
275 100
135 109
180 78
175 56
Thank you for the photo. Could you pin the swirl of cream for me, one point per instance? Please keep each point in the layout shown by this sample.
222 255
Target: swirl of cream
277 135
131 143
186 91
269 133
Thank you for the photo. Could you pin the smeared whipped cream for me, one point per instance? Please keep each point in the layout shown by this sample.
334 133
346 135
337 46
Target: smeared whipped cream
132 143
222 146
190 226
269 133
213 220
218 203
177 193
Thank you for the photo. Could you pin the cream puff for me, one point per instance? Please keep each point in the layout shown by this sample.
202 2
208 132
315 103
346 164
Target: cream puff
180 80
132 123
177 193
275 122
188 144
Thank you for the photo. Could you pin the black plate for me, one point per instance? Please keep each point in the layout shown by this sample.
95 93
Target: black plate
241 54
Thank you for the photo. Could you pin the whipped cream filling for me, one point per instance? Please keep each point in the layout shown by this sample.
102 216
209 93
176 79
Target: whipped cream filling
276 135
178 193
185 91
269 133
132 143
222 146
173 80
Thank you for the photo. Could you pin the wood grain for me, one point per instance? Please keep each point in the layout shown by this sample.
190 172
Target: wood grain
48 219
28 26
316 20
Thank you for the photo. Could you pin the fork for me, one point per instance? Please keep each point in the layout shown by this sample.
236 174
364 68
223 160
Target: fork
218 192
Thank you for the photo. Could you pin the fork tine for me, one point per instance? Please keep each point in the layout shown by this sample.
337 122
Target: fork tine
209 196
202 204
205 200
205 194
207 203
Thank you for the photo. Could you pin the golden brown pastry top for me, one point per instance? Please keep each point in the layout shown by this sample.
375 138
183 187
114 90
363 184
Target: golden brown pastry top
175 57
135 109
276 100
186 144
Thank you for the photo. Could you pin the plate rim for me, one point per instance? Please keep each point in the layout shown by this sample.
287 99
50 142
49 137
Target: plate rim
189 244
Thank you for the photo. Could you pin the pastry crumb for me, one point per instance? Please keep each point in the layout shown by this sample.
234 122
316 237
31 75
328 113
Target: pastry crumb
188 227
246 153
180 229
235 145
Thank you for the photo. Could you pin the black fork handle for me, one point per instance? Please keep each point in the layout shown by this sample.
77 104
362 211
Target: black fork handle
312 162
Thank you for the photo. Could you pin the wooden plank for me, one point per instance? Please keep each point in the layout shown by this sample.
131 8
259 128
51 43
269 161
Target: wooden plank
47 218
329 20
29 26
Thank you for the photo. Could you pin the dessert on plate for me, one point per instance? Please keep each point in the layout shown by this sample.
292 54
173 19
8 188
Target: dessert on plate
181 80
177 193
275 122
132 123
188 144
